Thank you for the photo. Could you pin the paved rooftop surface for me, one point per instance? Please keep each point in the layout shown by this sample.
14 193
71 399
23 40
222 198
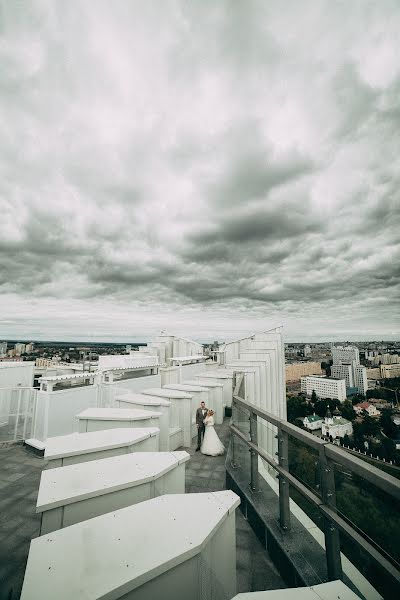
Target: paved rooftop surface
20 472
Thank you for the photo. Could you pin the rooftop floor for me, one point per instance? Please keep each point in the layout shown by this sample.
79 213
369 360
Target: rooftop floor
20 471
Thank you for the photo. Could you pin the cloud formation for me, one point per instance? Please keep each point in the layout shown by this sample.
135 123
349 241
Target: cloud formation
215 167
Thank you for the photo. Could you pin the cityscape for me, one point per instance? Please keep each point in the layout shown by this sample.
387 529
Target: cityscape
199 300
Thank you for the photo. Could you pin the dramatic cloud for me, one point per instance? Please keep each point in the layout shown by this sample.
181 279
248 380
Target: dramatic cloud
209 167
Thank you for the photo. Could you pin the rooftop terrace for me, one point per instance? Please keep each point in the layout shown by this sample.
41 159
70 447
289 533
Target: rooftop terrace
20 471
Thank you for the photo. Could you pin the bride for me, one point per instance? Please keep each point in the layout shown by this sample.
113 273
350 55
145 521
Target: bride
212 445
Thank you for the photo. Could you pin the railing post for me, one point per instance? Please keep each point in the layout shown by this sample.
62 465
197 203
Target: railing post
284 498
253 454
233 460
332 538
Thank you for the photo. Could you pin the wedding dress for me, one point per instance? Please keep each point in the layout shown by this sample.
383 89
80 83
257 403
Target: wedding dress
212 445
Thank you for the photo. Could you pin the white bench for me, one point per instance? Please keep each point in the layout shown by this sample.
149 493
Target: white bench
145 402
216 397
96 419
156 549
83 447
180 416
68 495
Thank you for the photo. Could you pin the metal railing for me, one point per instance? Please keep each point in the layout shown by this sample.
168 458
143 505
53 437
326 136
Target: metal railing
17 412
325 499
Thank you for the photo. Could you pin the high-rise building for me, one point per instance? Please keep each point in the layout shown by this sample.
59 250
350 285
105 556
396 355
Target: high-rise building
360 378
3 348
346 365
19 349
307 350
345 354
344 371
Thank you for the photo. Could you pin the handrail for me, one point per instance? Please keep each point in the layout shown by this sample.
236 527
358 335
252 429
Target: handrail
381 479
326 504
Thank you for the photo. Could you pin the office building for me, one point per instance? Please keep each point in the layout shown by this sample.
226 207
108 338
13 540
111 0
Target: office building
343 371
324 387
346 365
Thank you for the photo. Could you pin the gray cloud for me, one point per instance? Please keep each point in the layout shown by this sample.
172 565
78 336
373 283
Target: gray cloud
197 158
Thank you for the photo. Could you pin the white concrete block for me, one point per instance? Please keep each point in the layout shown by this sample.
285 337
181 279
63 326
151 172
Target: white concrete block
96 419
75 448
216 397
68 495
180 419
333 590
155 549
145 402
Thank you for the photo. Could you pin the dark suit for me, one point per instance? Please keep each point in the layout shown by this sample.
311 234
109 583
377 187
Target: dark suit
200 423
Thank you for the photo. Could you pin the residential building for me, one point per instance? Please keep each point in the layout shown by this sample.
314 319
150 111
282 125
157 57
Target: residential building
307 350
295 371
19 349
345 354
374 373
324 387
3 348
389 371
29 348
313 422
368 408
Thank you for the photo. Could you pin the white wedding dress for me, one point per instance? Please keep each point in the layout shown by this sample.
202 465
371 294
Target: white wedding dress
212 445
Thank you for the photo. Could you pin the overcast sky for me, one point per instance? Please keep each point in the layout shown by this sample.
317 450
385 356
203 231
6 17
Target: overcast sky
207 167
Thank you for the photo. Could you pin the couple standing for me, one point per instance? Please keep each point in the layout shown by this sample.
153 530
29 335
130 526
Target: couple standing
212 445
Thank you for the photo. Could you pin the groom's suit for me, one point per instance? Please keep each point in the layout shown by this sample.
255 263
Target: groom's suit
200 416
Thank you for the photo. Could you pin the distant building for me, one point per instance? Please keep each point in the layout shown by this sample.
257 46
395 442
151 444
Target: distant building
344 371
336 426
345 354
295 371
389 371
346 365
324 387
368 407
19 349
307 350
29 348
374 373
3 348
312 422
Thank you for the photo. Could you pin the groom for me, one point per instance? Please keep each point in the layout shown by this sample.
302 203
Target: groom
201 414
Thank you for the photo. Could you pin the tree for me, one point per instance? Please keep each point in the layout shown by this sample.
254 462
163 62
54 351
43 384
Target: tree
296 408
348 411
385 420
314 397
346 440
371 426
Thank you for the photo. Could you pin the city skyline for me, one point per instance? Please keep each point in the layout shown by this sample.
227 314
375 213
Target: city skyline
199 168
